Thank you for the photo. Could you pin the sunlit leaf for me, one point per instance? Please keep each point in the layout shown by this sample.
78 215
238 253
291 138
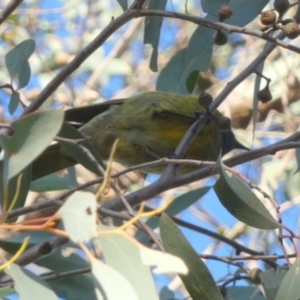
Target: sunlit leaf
79 216
107 278
29 285
196 56
122 254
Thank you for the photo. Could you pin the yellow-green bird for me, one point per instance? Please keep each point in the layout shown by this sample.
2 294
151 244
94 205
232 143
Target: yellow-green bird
148 126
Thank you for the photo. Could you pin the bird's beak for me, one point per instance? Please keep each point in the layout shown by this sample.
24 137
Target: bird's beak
229 142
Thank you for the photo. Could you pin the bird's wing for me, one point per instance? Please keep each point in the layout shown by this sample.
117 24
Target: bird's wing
82 115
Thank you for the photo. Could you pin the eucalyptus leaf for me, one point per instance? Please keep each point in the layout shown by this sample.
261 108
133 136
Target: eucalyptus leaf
29 285
290 287
198 282
123 4
29 140
16 61
79 216
196 56
107 277
244 293
12 244
13 102
241 202
51 182
58 261
152 30
124 256
271 280
211 6
6 291
77 287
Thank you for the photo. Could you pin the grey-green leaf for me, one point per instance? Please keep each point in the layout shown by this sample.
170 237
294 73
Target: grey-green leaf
77 287
6 291
290 288
271 280
241 202
211 6
14 102
244 11
122 255
198 282
152 31
196 56
16 61
29 285
244 292
107 277
32 134
123 4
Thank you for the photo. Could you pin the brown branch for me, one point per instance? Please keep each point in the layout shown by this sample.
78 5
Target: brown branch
41 250
8 9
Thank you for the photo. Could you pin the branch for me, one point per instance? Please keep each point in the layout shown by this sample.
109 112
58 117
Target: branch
219 25
163 185
79 59
41 250
8 9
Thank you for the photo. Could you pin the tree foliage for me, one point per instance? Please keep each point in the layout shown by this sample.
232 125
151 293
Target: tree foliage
109 235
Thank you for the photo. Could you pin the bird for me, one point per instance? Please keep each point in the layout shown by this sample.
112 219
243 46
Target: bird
148 126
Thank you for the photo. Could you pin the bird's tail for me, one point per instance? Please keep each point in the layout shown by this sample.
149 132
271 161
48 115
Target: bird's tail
52 160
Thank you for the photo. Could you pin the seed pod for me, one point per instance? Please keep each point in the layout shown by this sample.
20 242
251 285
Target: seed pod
267 17
281 6
224 12
291 30
220 38
264 95
255 276
205 99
